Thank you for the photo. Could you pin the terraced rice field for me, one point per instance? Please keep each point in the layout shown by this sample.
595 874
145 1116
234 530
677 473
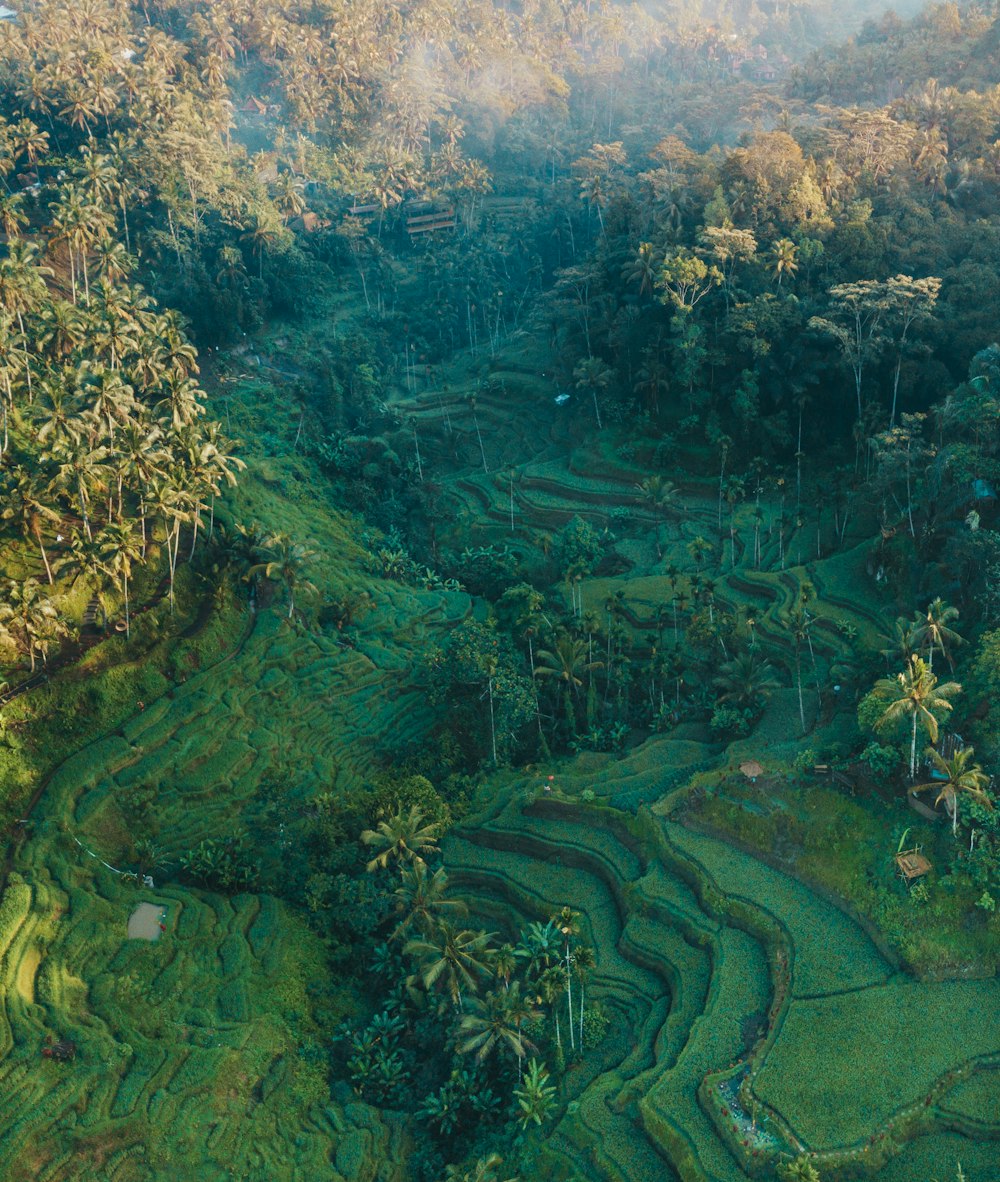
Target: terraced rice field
197 1056
537 457
696 943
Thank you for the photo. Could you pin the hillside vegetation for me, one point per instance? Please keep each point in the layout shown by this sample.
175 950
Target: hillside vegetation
498 566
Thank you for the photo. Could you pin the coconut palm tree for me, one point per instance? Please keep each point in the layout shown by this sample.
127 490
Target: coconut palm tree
26 500
642 268
28 618
957 775
746 681
784 259
538 948
661 495
551 986
567 661
453 959
167 502
120 548
505 963
81 470
915 693
422 899
22 289
593 375
798 623
285 561
931 628
583 962
495 1024
903 640
403 837
567 922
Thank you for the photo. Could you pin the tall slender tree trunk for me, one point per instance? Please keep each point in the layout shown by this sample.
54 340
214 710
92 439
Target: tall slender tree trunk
493 727
913 748
82 493
569 999
45 557
798 678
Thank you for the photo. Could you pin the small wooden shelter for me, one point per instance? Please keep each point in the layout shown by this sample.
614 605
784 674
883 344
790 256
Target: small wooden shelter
751 769
912 865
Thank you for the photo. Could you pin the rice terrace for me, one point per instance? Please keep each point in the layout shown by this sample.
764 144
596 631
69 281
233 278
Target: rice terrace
499 613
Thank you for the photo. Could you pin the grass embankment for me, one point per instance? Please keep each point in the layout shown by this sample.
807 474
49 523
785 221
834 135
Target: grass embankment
684 917
200 1055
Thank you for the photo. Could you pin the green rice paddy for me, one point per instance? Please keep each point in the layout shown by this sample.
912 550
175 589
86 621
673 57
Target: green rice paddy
199 1055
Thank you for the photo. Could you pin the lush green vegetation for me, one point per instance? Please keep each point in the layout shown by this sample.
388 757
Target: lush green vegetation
498 540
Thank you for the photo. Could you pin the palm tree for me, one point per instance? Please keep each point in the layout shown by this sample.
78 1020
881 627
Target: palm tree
916 693
421 897
26 500
904 639
12 216
260 232
594 375
583 961
932 629
495 1023
661 495
957 775
539 948
535 1097
551 986
285 560
166 501
119 550
28 618
798 622
453 959
567 661
505 963
485 1170
403 837
82 469
746 681
567 921
784 259
22 288
642 268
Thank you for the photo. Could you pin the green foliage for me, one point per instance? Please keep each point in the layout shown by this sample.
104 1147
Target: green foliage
799 1170
883 762
579 546
535 1097
221 863
477 676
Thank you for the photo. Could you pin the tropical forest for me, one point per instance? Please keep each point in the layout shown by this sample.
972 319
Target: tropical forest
499 591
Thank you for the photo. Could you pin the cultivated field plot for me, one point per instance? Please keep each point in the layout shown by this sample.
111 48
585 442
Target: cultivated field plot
196 1053
692 936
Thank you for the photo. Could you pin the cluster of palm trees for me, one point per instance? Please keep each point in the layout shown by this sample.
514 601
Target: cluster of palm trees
494 994
106 456
917 696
